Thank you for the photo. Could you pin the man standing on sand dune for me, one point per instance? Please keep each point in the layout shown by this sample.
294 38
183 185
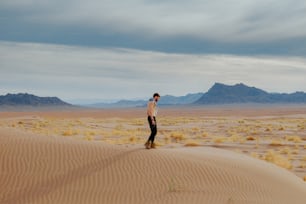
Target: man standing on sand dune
152 112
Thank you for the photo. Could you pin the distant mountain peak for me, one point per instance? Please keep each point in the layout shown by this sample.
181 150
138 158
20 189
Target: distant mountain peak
237 89
240 93
238 85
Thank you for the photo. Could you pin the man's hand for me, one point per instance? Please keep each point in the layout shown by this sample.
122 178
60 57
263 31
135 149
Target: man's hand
153 121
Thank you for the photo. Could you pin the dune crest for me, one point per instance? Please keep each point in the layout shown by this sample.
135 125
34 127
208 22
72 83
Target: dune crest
38 169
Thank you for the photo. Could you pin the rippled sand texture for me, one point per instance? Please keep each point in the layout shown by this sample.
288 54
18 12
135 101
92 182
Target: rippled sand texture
204 156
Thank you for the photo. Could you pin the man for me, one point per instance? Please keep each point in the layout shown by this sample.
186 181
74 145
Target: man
151 112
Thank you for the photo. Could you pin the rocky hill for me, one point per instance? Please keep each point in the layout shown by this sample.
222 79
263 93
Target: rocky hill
240 93
24 99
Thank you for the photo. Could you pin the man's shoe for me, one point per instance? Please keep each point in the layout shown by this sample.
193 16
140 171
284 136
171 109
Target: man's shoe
148 145
153 146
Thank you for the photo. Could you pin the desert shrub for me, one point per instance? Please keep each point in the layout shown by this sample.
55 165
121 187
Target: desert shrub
177 136
281 128
255 155
195 129
276 143
118 127
138 122
295 152
277 159
295 139
133 139
167 139
191 143
90 133
286 150
302 165
69 132
241 121
268 129
168 122
301 126
234 138
250 138
219 139
88 137
204 134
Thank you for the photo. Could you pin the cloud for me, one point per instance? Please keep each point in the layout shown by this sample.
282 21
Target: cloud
235 21
112 73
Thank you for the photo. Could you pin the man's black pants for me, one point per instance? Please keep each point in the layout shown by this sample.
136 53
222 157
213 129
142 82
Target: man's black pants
153 128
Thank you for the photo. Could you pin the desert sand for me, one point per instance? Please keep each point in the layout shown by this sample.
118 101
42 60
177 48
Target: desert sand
51 157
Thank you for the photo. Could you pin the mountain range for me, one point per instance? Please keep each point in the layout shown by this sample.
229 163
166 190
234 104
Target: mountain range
164 100
25 99
217 94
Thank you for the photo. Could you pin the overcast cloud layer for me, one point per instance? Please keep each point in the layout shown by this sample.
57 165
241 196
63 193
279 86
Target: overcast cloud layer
72 72
110 49
241 27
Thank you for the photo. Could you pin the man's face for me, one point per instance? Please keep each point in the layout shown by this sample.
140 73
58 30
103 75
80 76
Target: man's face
156 98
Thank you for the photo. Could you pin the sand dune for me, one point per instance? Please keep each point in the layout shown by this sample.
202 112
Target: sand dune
47 169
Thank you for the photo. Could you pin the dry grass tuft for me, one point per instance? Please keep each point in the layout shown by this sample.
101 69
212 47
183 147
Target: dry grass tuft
204 134
138 122
219 140
276 143
295 139
268 129
302 165
250 138
167 139
255 155
177 136
133 139
70 132
277 159
234 138
192 143
88 137
286 150
281 128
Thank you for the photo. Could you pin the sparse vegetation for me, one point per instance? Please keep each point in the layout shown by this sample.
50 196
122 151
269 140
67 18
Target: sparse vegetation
273 157
285 136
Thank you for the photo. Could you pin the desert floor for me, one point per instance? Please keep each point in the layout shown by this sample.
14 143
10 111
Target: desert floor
269 142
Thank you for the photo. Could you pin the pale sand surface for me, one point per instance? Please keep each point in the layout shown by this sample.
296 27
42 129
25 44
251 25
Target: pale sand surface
97 156
37 169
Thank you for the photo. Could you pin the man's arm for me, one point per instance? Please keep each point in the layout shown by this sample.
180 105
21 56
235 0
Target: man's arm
151 111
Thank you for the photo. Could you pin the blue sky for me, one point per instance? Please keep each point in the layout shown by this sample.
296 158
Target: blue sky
103 49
